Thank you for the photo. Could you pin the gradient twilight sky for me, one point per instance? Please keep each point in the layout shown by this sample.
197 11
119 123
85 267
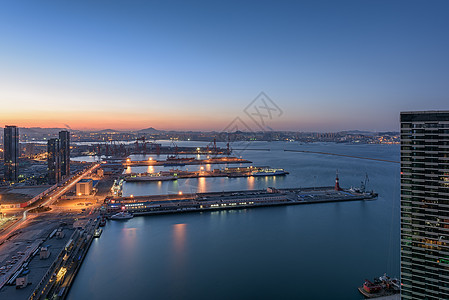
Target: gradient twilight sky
330 65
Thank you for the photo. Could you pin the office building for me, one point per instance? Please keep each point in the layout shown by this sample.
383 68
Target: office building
54 161
11 152
64 138
425 205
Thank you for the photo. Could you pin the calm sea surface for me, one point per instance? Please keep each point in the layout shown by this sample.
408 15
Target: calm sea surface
318 251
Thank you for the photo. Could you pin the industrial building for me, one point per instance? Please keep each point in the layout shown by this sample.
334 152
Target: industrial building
84 187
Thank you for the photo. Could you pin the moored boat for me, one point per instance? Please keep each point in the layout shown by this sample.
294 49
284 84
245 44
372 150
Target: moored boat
123 215
98 232
380 287
269 172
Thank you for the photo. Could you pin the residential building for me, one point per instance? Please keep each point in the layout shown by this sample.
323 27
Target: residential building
425 205
11 153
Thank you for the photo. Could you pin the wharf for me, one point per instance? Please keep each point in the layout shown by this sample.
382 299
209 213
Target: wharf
49 277
57 281
187 161
174 174
163 204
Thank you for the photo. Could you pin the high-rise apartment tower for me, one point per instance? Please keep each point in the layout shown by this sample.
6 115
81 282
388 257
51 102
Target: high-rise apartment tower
425 205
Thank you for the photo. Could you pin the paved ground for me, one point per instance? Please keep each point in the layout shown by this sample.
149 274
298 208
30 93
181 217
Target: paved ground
37 231
34 232
38 267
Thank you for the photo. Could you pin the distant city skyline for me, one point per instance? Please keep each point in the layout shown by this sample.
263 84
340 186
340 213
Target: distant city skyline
330 65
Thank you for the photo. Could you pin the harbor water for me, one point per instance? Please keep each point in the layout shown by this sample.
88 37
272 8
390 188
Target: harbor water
317 251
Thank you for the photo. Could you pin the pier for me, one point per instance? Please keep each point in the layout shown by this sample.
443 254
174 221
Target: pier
57 281
178 203
49 257
175 174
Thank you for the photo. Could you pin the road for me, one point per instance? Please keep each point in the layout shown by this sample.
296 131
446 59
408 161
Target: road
52 197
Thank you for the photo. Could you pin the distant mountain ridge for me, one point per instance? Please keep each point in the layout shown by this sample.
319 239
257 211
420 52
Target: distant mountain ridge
150 130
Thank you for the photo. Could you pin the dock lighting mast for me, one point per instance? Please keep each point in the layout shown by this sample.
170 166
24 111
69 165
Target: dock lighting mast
337 183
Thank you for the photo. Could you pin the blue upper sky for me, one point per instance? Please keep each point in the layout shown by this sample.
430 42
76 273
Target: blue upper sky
329 65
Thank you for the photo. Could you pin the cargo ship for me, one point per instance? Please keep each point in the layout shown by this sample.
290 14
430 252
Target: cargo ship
380 287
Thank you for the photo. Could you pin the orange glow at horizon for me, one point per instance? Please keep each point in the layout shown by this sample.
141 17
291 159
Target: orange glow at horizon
84 118
112 120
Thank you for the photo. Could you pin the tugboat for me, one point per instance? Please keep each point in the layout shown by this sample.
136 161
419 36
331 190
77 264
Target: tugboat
381 287
123 215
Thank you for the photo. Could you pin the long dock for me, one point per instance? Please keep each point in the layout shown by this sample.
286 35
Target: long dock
175 174
163 204
57 281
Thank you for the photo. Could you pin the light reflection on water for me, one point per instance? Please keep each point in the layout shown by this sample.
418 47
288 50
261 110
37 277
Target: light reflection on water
202 185
179 237
290 252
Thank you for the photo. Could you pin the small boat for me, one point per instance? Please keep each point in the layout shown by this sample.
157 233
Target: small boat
382 286
98 232
102 222
123 215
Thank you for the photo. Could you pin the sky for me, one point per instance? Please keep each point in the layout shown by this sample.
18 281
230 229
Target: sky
197 65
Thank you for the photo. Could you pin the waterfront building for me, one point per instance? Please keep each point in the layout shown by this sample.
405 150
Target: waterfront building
425 205
11 153
64 138
54 161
